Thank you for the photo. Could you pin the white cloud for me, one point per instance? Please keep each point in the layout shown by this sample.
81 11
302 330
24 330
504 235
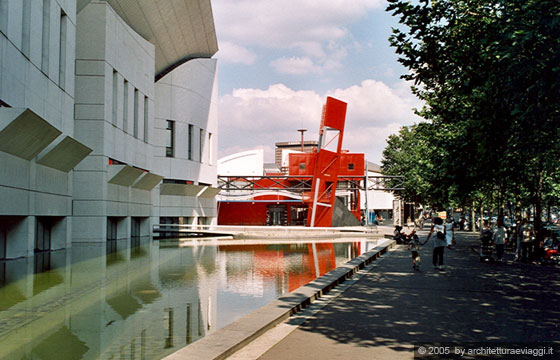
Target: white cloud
295 66
318 30
253 117
233 53
273 23
374 102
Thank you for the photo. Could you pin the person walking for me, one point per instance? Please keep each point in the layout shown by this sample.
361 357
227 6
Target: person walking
486 242
527 239
499 239
439 242
414 247
518 239
449 232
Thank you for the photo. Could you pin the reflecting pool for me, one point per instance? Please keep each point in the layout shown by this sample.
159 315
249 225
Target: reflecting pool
144 299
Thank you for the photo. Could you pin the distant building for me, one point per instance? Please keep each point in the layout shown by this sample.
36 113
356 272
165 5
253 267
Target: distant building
283 148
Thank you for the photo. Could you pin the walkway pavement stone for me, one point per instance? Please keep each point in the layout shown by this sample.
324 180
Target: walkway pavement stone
392 308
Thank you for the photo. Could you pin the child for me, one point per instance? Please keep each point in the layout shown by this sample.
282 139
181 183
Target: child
414 247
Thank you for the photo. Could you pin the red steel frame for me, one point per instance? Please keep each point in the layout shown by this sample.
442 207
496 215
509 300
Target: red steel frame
316 175
322 196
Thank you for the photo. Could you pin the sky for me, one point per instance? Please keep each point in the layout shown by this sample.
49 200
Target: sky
279 60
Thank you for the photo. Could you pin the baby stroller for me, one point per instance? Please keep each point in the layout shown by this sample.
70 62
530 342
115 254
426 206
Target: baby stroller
486 246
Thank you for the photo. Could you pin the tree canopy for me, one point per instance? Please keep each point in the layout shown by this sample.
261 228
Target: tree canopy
488 72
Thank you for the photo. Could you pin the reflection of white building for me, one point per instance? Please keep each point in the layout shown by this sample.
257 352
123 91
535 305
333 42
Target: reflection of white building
108 119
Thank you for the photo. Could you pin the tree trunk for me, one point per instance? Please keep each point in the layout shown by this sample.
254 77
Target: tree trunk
539 208
481 223
473 222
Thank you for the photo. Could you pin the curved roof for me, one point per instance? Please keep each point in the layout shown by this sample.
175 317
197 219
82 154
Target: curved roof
245 163
181 30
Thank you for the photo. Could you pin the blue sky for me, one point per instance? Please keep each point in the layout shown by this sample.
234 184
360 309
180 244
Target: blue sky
279 60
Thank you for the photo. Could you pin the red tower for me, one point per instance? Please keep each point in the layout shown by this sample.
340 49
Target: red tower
322 196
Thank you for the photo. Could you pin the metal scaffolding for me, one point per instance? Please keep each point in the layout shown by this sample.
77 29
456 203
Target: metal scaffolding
299 184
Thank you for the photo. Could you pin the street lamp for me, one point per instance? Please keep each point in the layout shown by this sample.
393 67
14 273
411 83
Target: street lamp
302 131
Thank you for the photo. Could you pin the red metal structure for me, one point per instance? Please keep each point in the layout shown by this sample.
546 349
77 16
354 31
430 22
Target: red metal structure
322 196
307 193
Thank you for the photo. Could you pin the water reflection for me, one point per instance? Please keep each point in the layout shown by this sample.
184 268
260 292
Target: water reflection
142 299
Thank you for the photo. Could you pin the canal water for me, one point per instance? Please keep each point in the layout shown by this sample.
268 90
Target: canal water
151 298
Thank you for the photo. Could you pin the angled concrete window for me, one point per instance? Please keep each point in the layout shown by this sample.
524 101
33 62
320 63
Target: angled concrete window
26 27
135 127
170 139
46 36
125 106
115 97
62 52
24 133
190 143
148 181
4 16
146 119
64 154
124 175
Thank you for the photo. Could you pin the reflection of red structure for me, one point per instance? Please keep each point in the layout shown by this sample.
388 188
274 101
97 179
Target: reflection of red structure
269 261
322 171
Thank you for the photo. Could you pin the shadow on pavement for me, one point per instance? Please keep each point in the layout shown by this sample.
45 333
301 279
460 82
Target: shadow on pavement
395 307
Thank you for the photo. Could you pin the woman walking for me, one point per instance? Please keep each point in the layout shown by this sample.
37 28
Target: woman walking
500 239
439 242
449 232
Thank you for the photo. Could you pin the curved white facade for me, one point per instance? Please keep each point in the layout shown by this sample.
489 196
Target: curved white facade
186 101
180 30
245 163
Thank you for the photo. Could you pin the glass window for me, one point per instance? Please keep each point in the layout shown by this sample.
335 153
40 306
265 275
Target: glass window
125 106
26 26
170 143
135 127
115 96
190 143
146 121
4 16
46 36
62 52
210 153
201 145
43 234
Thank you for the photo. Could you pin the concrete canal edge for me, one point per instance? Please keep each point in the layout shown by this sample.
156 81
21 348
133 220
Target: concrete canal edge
224 342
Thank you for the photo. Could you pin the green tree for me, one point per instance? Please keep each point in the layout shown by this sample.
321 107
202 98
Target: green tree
488 73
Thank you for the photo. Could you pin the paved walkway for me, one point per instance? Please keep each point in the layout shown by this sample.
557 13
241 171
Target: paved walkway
392 308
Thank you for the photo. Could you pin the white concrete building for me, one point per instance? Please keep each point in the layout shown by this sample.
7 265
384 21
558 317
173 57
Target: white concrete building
38 148
82 135
186 137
